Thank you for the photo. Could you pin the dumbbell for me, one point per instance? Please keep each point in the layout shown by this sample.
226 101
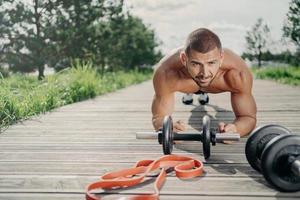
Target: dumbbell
275 152
203 98
188 98
166 136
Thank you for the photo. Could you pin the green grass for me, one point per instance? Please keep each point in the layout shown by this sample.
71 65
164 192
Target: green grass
286 75
22 96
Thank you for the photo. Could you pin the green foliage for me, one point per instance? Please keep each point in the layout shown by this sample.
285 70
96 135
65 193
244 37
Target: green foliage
73 32
55 32
282 57
292 25
257 41
22 96
286 75
131 41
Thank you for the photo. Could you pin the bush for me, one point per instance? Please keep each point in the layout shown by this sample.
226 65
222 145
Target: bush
287 75
4 72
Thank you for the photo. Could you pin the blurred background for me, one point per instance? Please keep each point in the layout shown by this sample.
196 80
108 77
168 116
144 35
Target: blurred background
55 52
260 30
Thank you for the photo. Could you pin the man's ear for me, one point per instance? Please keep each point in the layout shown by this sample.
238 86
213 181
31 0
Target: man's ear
183 58
222 56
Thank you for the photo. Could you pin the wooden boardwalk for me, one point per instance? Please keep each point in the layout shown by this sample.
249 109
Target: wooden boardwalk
55 156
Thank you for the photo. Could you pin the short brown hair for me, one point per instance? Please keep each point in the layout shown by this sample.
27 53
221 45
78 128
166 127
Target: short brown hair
202 40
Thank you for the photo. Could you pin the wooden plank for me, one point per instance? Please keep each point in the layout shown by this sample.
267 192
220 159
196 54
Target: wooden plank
116 148
97 156
137 123
74 196
173 186
99 168
90 133
39 196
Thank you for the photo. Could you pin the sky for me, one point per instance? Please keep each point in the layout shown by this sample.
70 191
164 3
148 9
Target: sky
173 20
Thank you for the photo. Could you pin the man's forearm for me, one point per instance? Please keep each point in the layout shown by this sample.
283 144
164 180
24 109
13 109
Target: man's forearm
244 124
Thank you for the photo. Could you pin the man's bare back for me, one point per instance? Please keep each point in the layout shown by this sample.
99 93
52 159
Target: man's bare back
214 71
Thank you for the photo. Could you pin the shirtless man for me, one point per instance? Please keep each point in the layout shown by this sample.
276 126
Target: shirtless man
203 65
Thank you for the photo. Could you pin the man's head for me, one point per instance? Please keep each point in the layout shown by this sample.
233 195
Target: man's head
202 56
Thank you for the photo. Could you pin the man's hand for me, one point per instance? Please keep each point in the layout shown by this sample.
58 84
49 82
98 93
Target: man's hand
179 126
227 127
223 128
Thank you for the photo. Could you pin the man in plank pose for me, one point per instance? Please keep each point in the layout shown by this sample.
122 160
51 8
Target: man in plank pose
203 65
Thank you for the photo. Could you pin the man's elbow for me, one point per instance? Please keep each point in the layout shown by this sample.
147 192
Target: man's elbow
252 124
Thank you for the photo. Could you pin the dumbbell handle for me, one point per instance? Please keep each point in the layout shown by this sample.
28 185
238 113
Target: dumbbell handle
295 167
177 136
220 137
147 135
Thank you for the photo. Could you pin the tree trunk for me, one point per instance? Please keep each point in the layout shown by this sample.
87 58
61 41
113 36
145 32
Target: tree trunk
259 60
259 57
38 35
41 75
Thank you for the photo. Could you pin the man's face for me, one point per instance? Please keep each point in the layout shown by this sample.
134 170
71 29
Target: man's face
203 67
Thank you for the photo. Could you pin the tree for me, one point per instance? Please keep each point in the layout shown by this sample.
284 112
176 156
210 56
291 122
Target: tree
26 42
117 41
55 32
257 41
73 29
132 42
291 28
123 41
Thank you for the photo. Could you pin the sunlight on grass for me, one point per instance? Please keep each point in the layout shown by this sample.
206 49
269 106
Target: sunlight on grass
286 75
22 96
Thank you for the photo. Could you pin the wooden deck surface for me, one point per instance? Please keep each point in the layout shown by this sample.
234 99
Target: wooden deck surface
55 156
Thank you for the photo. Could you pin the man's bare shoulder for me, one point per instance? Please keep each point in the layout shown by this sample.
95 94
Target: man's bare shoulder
232 60
166 73
165 80
170 59
239 80
237 74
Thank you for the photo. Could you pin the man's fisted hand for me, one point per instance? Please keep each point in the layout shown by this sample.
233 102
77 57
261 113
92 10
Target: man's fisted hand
223 128
227 127
179 126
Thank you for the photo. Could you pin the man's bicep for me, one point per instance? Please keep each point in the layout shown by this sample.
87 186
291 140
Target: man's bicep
243 105
163 100
242 100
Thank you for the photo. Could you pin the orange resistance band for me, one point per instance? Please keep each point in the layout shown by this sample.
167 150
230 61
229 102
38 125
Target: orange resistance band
185 167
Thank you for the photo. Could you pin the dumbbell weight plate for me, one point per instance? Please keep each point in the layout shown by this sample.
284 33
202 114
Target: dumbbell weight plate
167 135
206 136
203 98
257 141
275 165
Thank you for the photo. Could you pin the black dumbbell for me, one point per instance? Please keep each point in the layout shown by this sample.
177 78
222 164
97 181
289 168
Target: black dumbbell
203 98
187 99
275 152
166 136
